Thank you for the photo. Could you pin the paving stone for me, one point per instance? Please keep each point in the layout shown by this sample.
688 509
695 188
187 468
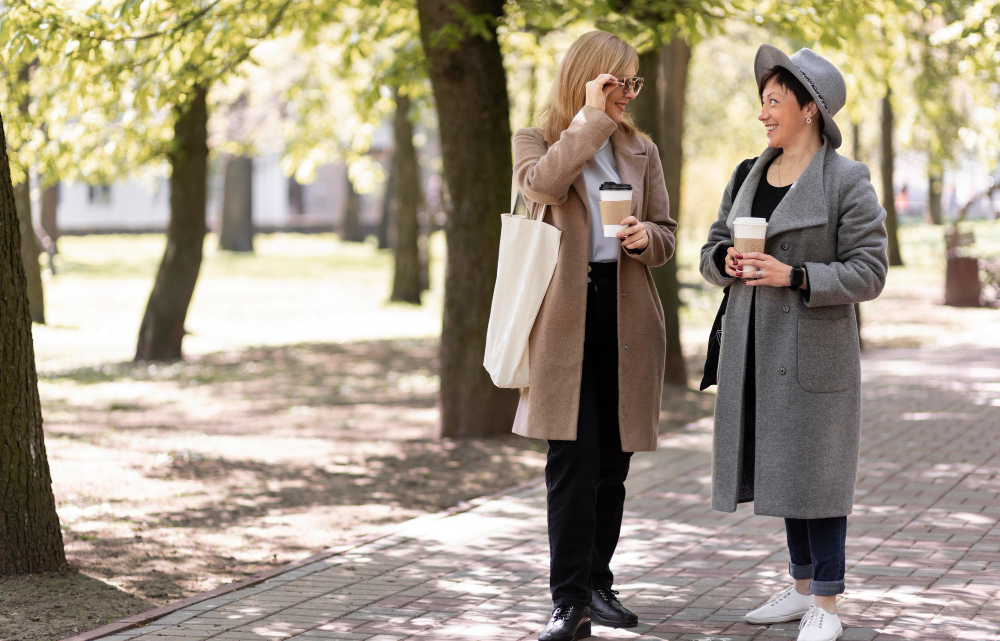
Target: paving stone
923 542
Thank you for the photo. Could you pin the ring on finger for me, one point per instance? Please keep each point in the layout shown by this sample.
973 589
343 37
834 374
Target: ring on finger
759 274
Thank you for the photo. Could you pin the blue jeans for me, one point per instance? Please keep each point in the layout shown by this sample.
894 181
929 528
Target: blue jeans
817 551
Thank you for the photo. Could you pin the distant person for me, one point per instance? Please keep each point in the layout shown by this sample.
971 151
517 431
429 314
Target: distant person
903 201
788 410
600 322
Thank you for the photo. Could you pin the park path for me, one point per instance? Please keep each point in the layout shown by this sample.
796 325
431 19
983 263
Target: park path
923 546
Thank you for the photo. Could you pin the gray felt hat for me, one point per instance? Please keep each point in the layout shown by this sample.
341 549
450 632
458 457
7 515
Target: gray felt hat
817 74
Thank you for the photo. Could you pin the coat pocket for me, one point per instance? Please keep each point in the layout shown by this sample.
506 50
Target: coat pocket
826 355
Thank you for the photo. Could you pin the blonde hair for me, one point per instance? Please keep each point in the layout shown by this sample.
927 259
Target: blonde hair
592 54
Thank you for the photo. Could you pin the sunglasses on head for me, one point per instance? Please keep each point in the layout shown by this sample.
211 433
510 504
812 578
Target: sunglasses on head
631 83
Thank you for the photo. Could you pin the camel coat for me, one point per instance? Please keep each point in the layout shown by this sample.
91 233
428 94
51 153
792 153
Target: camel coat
553 176
808 366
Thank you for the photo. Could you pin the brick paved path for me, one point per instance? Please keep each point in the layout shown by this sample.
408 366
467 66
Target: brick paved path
923 543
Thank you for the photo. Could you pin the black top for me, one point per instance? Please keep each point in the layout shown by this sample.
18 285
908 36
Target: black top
766 200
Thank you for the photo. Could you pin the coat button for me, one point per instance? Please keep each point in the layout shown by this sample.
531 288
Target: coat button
783 371
626 348
784 246
786 309
623 294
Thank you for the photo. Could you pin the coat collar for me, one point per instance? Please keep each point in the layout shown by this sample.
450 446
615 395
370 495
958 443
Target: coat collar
630 156
803 206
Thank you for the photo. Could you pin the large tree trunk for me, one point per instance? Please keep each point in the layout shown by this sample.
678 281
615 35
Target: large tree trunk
934 197
888 194
236 224
31 249
659 111
30 245
673 74
162 329
30 539
406 199
470 91
352 214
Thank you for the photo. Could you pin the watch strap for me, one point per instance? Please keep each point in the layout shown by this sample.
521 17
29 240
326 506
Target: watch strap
797 278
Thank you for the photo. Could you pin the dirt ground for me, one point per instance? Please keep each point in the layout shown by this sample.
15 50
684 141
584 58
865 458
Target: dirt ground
172 480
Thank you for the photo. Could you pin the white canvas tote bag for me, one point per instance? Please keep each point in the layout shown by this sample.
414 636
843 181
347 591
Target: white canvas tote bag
528 253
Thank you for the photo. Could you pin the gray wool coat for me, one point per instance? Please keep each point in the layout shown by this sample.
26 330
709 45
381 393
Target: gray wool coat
808 369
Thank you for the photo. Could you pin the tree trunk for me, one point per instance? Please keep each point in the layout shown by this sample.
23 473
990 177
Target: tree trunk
888 194
30 538
424 243
406 200
352 215
659 111
162 329
31 249
671 90
236 225
295 200
30 245
647 108
470 91
934 197
856 141
50 208
385 240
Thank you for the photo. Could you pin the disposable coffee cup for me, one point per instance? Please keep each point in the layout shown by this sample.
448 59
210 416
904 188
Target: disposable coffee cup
616 205
748 234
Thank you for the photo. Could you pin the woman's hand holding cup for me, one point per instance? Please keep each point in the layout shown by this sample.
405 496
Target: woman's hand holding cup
758 268
634 236
598 90
733 269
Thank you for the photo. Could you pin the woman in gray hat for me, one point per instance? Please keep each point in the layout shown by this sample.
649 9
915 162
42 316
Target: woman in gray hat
788 411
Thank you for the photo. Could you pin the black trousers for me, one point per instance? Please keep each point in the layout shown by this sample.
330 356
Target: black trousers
585 478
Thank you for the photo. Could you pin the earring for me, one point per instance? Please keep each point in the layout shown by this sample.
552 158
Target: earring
809 120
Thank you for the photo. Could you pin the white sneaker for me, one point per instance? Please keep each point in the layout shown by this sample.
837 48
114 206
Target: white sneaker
820 625
786 605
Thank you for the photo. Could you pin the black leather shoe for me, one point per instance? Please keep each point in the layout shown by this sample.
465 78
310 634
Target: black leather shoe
568 623
606 609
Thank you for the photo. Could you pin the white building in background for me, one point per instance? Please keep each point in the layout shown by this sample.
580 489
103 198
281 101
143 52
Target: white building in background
278 201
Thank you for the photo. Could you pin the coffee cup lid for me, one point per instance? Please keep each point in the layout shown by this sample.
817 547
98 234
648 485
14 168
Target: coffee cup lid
615 186
748 220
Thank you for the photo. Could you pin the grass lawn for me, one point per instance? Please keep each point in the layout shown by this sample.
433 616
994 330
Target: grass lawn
295 288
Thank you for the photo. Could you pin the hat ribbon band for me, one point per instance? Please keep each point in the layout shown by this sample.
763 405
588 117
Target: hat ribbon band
815 88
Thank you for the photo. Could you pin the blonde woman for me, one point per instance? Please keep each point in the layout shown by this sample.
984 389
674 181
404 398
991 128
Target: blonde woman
598 345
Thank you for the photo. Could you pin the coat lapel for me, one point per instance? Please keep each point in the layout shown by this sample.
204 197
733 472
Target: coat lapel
630 156
805 203
803 206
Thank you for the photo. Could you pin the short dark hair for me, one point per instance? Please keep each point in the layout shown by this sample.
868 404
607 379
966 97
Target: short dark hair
787 81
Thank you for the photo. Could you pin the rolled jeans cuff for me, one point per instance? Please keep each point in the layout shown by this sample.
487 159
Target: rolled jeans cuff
800 571
826 588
